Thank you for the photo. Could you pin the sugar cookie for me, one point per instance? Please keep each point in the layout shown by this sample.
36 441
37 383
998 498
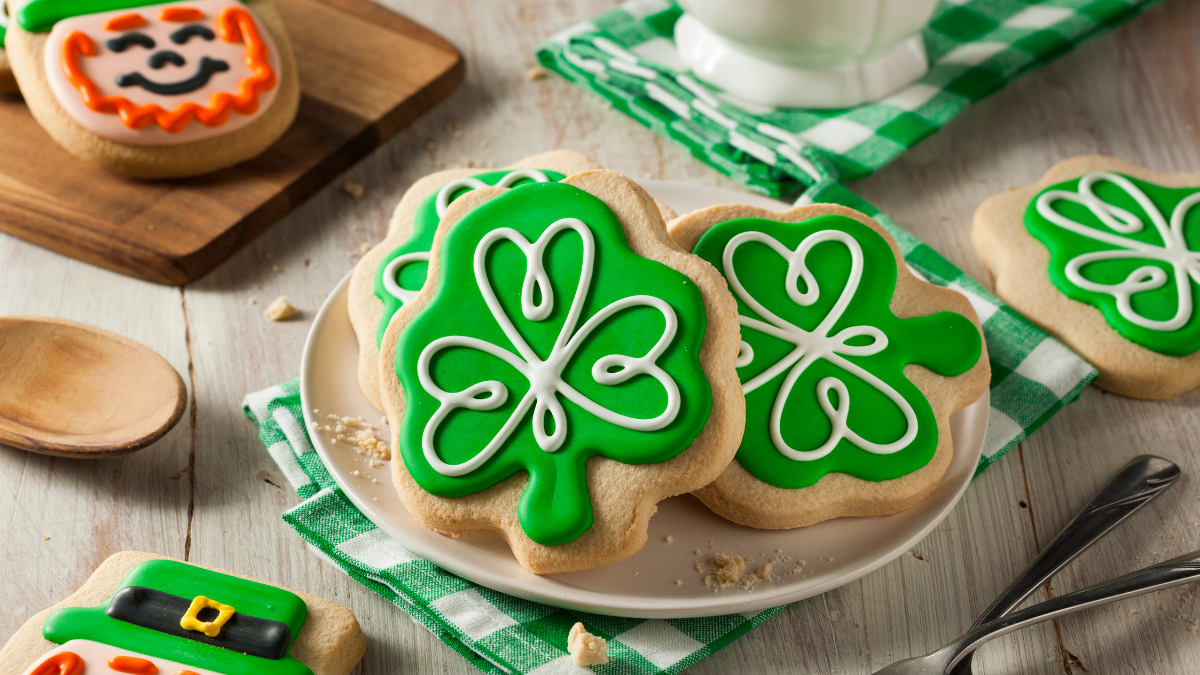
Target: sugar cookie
850 369
160 90
565 367
377 290
1104 255
142 613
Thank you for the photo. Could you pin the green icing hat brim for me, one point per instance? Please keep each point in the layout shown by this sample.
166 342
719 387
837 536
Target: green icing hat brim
39 16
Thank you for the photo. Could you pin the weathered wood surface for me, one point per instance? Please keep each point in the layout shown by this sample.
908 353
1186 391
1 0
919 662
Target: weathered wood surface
209 493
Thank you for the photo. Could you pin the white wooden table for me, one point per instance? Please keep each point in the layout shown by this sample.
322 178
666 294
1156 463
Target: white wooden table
210 494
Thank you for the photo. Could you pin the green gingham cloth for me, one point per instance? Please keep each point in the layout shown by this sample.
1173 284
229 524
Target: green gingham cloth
1033 376
975 47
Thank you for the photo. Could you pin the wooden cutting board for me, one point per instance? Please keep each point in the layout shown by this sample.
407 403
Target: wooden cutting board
365 73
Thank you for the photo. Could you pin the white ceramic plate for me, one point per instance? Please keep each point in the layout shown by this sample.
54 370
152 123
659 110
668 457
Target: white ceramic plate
644 585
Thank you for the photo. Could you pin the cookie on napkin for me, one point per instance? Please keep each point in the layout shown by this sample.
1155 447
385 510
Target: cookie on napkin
143 613
565 367
851 366
392 272
1105 255
156 90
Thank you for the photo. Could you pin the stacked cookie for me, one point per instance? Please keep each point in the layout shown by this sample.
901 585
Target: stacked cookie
153 90
555 357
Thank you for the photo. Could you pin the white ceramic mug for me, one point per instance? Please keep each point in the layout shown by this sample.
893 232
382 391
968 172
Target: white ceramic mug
809 53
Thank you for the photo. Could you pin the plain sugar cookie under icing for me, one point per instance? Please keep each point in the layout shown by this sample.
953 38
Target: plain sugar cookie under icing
107 65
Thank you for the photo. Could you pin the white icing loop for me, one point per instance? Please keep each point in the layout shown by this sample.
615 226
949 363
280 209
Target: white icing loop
1184 263
444 195
392 272
818 344
545 376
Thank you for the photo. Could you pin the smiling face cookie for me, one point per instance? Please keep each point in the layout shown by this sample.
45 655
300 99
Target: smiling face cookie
160 90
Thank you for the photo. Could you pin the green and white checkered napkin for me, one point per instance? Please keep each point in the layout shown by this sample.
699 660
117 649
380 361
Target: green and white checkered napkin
1033 376
975 47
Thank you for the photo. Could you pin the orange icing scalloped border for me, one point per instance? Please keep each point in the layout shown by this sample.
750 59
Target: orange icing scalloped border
234 24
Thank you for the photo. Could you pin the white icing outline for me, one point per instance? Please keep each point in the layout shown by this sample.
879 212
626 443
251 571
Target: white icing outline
390 272
1185 263
444 195
815 345
442 203
545 376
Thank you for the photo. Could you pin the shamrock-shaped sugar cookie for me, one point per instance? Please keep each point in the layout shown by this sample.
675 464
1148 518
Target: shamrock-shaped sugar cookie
564 368
849 369
1106 256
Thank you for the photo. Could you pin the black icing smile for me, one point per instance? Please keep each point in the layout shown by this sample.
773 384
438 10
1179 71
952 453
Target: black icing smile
208 67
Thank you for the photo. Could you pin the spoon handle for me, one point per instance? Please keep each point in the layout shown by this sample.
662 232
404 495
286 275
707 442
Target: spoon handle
1133 487
1182 570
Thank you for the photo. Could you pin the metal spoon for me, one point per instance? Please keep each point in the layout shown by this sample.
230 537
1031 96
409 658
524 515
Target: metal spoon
73 390
1133 487
1182 570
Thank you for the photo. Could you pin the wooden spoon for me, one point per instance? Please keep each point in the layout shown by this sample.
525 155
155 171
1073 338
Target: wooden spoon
73 390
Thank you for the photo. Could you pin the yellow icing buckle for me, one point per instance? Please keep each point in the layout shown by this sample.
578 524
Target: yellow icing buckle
190 621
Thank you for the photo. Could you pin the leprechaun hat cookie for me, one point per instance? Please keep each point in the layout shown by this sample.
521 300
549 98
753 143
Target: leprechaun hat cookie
850 369
1105 255
141 613
156 90
564 367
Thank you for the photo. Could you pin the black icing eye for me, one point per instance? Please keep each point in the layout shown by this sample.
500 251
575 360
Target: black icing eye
160 59
120 44
186 33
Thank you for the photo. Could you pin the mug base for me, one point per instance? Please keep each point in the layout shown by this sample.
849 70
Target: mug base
720 63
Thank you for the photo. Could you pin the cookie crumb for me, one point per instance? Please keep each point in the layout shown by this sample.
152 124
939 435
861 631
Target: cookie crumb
359 434
668 539
355 190
46 538
586 649
696 552
280 309
536 73
679 582
729 566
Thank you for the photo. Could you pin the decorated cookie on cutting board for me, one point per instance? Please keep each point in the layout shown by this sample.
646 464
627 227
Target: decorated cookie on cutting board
392 272
1105 255
564 367
156 90
144 614
850 365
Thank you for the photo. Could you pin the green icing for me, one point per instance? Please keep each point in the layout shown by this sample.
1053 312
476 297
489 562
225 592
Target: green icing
556 507
787 347
425 223
39 16
246 597
1130 248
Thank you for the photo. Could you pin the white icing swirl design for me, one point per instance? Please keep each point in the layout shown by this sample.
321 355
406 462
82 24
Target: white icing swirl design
1184 262
444 195
441 203
545 376
818 344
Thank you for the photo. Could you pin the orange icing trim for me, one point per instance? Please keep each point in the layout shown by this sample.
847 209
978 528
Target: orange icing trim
125 22
234 24
180 14
62 663
132 664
